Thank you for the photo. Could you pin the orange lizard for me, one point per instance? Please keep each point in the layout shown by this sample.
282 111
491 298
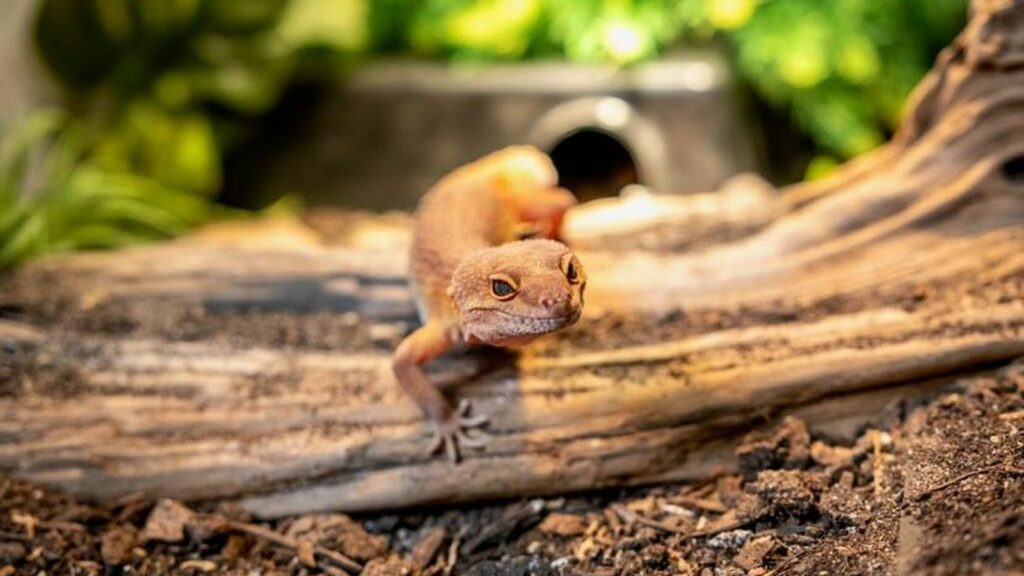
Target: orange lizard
477 281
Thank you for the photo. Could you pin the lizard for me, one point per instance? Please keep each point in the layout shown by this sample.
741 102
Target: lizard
486 268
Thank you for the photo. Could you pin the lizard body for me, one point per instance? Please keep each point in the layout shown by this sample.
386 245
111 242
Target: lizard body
476 282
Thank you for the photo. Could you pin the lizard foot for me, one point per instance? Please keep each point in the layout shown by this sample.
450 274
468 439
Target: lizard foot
457 431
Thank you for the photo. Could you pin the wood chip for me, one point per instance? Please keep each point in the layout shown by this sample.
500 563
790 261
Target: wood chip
752 554
390 566
304 550
205 566
453 554
513 519
167 521
27 521
427 548
561 524
341 532
323 554
704 504
613 519
236 546
116 545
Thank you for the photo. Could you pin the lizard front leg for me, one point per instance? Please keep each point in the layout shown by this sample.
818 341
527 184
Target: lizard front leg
451 426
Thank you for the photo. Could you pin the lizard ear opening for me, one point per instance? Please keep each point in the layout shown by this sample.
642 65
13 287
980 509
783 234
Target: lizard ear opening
503 286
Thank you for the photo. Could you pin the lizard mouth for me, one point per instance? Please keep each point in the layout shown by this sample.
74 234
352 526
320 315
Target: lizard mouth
570 317
524 324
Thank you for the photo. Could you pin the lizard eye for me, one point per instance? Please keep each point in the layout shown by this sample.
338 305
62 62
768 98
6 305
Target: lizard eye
503 287
571 268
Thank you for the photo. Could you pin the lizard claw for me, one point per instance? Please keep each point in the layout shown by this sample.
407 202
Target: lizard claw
459 430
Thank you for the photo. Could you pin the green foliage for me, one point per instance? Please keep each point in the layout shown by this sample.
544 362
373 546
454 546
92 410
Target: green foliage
169 83
161 89
842 68
55 198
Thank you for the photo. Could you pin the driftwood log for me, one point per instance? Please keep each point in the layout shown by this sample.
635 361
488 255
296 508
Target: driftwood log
256 368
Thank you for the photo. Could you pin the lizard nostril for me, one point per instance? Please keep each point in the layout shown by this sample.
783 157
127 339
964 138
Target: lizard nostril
554 300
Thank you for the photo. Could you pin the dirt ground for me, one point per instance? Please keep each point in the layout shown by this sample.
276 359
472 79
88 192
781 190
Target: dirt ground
939 491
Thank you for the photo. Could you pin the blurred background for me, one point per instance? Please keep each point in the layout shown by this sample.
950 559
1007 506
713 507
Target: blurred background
131 120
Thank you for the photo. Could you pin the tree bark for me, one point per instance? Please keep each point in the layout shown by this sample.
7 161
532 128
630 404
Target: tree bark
257 369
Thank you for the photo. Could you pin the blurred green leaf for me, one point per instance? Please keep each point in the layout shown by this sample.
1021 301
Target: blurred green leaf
162 89
115 18
242 16
72 202
74 40
820 167
858 61
335 24
166 17
18 145
190 160
730 14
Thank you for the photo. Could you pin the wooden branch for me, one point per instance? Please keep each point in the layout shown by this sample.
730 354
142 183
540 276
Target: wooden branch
217 368
317 429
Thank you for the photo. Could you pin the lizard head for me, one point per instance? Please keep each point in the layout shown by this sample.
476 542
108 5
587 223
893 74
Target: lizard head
511 294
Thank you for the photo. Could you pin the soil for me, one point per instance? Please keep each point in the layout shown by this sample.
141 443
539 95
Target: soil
941 491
